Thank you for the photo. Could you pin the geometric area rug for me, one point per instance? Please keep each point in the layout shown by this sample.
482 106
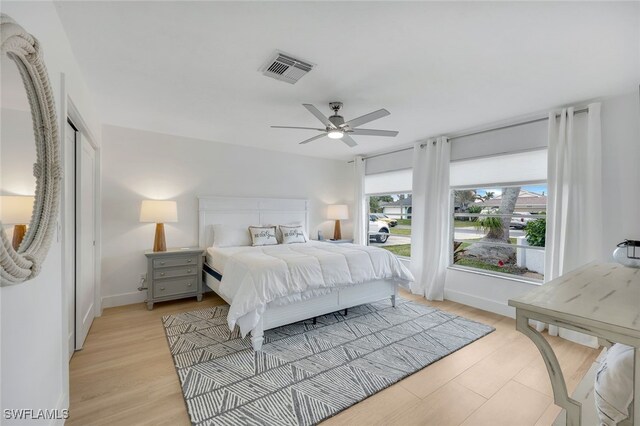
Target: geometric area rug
306 372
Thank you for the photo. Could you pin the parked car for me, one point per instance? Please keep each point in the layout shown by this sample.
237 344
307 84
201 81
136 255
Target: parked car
378 230
384 218
520 219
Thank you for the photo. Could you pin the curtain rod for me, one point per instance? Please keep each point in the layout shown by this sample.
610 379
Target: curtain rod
479 132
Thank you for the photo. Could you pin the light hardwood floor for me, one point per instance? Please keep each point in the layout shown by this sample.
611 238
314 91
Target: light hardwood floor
125 376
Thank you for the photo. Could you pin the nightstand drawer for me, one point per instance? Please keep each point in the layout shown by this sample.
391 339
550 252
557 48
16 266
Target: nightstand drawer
175 272
175 286
175 261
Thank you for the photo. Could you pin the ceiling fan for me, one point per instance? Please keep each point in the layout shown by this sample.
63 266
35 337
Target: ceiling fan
337 128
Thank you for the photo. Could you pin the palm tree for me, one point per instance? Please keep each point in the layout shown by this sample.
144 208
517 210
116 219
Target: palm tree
500 229
464 198
497 229
489 195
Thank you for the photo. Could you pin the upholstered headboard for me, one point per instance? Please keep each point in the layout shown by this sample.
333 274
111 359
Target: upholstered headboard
241 212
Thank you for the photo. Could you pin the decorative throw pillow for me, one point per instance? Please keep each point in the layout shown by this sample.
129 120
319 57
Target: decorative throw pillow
229 236
263 235
614 385
279 231
292 234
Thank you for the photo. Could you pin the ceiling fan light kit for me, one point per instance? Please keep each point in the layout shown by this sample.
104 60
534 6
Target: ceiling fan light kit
337 128
335 134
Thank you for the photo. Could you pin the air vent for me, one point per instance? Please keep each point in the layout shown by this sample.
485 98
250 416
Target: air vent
284 67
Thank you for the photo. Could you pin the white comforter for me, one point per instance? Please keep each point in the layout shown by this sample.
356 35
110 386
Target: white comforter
292 272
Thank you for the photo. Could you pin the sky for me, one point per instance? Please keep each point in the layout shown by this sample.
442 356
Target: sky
497 191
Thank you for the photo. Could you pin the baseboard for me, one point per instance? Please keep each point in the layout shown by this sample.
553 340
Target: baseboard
480 303
63 404
123 299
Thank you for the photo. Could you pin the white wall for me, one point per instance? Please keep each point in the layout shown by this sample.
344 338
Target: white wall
141 165
33 318
621 207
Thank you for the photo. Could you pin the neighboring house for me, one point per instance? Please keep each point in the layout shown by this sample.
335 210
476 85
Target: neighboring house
528 201
399 209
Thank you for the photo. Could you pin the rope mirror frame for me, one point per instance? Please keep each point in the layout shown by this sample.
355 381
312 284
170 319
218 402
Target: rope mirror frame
25 263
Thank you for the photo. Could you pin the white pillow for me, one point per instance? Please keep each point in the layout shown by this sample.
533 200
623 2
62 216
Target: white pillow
292 234
614 385
229 236
263 235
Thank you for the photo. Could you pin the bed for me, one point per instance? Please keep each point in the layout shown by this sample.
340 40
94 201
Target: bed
271 286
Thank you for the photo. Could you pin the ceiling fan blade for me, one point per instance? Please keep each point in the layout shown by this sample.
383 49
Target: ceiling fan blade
372 132
348 140
313 138
317 114
303 128
367 118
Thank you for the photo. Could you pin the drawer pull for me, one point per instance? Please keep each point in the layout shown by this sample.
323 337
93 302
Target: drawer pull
162 274
188 271
189 260
162 263
161 288
189 285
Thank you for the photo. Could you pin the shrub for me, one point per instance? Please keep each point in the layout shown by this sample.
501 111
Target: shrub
490 223
474 210
535 232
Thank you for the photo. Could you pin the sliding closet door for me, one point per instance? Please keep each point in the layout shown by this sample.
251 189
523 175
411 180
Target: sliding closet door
85 238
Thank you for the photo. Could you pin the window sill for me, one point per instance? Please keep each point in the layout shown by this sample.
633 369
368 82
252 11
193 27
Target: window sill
495 275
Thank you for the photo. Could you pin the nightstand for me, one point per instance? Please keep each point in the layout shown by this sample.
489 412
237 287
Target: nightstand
338 241
174 274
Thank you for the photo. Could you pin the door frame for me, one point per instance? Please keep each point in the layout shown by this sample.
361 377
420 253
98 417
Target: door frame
68 205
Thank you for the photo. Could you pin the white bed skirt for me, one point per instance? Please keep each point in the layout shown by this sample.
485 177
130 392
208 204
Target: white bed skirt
277 315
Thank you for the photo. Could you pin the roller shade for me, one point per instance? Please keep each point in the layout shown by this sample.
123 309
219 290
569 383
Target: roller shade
397 181
529 136
515 168
389 162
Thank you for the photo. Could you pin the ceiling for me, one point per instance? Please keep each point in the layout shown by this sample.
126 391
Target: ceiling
191 68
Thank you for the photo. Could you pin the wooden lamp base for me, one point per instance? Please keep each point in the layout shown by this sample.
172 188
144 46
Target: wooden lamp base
337 232
159 243
19 232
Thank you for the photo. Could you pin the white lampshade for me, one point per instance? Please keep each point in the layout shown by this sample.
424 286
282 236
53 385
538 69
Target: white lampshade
338 212
155 211
16 209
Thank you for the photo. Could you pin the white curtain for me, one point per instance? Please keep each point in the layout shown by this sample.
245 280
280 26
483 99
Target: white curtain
430 217
574 206
360 210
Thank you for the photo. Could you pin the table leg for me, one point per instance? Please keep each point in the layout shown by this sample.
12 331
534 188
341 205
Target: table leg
635 419
560 394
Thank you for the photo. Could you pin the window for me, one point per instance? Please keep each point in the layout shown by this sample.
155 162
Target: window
390 222
500 229
388 191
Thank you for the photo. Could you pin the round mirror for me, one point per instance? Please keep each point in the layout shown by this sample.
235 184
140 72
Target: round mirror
29 156
17 155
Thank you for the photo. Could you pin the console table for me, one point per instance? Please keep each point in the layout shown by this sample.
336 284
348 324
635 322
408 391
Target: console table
599 299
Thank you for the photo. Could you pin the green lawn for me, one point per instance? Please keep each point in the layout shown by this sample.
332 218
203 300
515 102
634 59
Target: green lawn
464 224
480 265
404 222
400 231
399 250
467 243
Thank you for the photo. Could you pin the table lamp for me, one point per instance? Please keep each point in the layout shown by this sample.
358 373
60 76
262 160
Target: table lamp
159 212
337 212
16 210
